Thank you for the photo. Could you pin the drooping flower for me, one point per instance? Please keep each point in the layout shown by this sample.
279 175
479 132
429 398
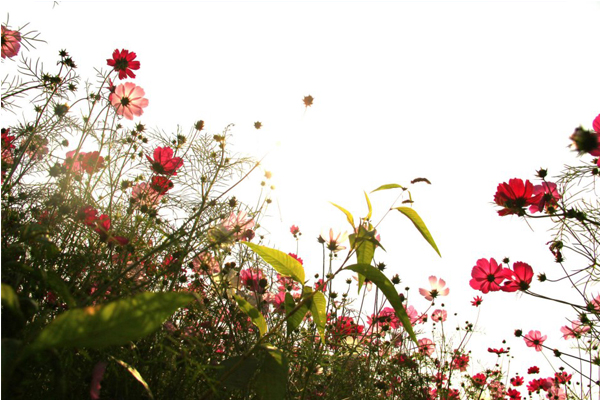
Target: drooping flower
575 331
519 278
11 42
546 196
426 346
487 275
437 289
123 62
535 339
164 163
439 315
497 351
128 100
514 196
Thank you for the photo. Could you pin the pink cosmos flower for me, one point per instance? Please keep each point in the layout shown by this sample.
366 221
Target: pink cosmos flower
519 278
164 163
123 63
251 279
11 42
387 316
487 275
437 289
333 244
238 224
514 196
294 230
128 100
439 315
426 346
205 263
460 362
143 194
546 196
575 331
476 302
535 339
557 393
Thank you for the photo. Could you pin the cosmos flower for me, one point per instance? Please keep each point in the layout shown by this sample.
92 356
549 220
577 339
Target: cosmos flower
128 100
123 62
437 289
11 42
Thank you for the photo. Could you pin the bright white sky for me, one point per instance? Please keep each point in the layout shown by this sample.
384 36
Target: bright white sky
467 94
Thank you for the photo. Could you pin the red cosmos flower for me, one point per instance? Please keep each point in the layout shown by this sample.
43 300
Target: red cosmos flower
535 339
487 275
539 384
164 163
102 226
476 302
387 316
479 379
294 230
519 277
517 380
514 196
547 197
513 394
345 326
123 63
88 215
533 370
161 184
11 42
461 362
562 377
7 140
128 100
497 351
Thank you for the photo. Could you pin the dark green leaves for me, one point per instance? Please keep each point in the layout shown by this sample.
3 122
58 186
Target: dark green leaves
420 225
114 323
384 284
281 262
271 381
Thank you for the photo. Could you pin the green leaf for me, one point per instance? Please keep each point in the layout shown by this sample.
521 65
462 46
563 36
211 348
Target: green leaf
420 225
384 284
60 287
389 186
255 315
294 320
368 217
271 381
114 323
134 372
365 244
237 371
349 216
318 307
10 299
281 262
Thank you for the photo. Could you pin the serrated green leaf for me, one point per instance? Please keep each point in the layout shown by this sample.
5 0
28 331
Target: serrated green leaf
271 380
255 315
368 217
318 308
281 262
420 225
134 372
294 320
389 186
387 288
113 323
349 216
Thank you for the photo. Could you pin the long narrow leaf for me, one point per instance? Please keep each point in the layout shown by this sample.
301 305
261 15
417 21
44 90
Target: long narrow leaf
420 225
389 186
281 262
384 284
349 216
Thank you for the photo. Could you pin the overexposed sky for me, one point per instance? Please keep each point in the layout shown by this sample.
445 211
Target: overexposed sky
465 93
